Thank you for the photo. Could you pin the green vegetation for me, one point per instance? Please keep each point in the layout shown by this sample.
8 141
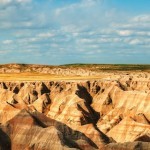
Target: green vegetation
110 67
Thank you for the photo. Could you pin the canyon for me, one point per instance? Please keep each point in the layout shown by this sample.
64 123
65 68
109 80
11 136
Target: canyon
111 112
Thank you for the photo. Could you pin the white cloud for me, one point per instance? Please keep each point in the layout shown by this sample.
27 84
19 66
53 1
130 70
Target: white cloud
23 1
125 32
54 45
46 35
142 18
83 4
139 22
143 33
135 42
74 29
7 42
5 1
80 27
14 1
2 52
85 40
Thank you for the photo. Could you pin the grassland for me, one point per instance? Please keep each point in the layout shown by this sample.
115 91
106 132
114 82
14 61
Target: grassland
111 67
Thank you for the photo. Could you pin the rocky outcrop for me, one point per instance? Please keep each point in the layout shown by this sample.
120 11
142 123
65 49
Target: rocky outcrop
128 146
28 130
111 113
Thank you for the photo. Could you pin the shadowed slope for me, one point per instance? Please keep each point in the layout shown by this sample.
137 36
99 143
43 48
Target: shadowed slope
26 130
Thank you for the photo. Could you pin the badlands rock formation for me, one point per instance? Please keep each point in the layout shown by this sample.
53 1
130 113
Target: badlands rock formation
110 113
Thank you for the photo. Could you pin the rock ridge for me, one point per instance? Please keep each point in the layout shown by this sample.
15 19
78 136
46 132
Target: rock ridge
100 114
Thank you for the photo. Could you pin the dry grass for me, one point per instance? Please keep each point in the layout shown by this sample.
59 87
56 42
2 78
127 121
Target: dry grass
41 77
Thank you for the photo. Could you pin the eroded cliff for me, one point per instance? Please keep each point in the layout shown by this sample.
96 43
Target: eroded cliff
111 113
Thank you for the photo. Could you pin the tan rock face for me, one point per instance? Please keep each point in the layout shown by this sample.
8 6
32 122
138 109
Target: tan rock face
28 130
76 114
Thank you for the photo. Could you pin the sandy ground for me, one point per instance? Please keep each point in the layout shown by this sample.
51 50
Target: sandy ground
42 77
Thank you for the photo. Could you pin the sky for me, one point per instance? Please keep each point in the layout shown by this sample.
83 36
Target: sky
75 31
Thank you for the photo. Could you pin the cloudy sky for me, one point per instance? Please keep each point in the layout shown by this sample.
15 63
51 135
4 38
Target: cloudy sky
74 31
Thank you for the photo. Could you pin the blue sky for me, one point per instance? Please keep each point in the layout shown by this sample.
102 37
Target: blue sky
75 31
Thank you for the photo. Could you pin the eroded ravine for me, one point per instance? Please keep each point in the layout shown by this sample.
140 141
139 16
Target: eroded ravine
101 114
